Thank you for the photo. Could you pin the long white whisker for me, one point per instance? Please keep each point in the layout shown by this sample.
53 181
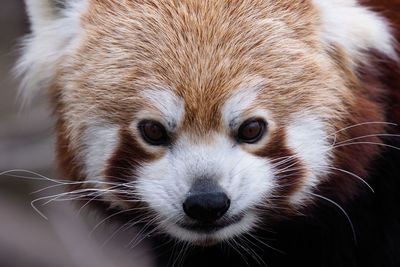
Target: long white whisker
366 123
250 251
94 182
43 198
107 218
367 143
40 177
354 175
341 209
366 136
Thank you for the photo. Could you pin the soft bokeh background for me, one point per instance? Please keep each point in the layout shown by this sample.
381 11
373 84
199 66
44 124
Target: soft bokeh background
26 143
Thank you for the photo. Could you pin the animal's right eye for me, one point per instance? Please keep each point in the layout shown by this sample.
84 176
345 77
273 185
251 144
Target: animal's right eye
153 133
251 131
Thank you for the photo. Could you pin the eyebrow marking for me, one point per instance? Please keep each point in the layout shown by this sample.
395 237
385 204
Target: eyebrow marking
170 105
241 100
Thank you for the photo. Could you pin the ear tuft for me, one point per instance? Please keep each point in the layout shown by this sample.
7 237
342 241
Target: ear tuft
55 28
355 28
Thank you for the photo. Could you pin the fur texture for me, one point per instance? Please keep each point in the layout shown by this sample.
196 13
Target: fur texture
321 75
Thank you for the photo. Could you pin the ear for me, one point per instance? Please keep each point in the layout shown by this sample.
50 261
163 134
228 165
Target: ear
42 12
55 27
355 29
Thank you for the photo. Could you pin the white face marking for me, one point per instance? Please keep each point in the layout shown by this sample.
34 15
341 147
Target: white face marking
167 103
308 138
101 142
248 180
164 184
235 107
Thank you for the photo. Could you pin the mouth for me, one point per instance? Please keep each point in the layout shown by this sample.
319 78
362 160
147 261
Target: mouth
210 233
212 226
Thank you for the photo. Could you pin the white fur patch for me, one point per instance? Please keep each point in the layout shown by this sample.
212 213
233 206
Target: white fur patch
354 28
101 141
54 34
246 179
307 136
167 103
236 106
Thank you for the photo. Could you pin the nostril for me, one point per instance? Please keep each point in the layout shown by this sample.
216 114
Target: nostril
206 207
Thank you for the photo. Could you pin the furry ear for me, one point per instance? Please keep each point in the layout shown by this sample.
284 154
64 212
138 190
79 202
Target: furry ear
55 28
355 29
42 12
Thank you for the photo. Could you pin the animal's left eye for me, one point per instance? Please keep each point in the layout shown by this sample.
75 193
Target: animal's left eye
154 133
251 131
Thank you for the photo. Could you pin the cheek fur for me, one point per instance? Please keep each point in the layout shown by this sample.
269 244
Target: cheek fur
70 168
100 142
300 156
122 167
289 171
127 158
358 143
165 182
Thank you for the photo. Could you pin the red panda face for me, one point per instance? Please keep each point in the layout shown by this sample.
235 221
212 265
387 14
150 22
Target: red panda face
211 116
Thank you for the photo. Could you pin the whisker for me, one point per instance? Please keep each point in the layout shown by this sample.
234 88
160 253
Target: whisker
251 251
366 136
341 209
139 237
232 243
131 223
265 244
367 143
354 175
287 159
33 202
366 123
107 218
77 183
288 169
112 189
39 176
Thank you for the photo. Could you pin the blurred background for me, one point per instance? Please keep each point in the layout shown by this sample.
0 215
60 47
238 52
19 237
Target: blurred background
26 148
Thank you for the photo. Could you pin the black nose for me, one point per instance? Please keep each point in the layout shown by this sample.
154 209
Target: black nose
206 201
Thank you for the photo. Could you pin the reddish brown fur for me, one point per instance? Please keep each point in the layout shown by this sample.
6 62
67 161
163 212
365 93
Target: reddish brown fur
292 170
68 164
127 158
197 56
378 97
388 71
203 52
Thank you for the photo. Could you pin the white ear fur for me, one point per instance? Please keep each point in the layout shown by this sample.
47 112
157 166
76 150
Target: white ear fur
354 28
54 32
41 13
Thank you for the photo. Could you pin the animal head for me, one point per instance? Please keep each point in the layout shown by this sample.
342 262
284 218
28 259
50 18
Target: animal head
206 117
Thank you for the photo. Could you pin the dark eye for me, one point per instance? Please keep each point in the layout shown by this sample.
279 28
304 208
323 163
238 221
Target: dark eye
251 131
153 133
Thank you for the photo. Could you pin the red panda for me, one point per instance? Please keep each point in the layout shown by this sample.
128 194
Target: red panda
249 132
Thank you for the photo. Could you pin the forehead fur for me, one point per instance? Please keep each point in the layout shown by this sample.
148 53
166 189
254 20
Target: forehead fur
202 44
202 51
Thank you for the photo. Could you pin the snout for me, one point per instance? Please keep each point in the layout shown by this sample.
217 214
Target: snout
206 201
